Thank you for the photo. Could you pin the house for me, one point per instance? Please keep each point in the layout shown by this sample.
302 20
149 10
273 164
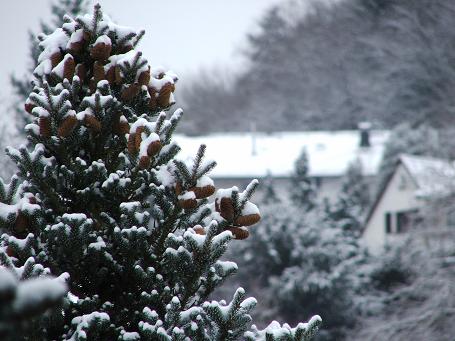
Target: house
241 157
414 181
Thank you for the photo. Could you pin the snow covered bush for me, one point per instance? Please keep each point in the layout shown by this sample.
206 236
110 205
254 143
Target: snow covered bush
104 202
305 255
303 263
303 192
413 292
351 205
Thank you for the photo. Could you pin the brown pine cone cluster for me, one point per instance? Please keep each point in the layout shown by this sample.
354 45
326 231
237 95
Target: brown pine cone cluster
238 220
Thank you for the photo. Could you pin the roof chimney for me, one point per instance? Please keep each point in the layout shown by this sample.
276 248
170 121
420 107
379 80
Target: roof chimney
364 129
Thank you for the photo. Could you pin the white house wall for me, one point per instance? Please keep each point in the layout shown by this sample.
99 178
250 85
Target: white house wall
394 199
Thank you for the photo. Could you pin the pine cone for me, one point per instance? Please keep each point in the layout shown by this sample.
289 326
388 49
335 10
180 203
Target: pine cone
29 107
153 148
68 68
144 162
203 192
178 188
247 220
199 230
101 51
56 58
45 126
32 200
124 127
188 204
132 144
164 96
130 91
239 233
118 75
21 224
81 72
144 77
93 123
67 126
152 103
98 72
76 47
138 137
227 208
10 252
120 126
110 75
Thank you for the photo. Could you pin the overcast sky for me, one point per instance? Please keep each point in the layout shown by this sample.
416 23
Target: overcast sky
182 35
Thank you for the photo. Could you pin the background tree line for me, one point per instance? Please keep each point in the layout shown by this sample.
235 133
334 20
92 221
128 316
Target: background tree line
329 66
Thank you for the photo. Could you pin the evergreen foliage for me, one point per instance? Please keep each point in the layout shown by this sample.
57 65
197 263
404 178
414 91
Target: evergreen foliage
310 260
22 85
384 61
303 263
103 202
28 298
352 202
302 189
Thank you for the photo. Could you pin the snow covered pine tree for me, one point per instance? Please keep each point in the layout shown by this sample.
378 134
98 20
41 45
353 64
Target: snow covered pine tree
302 189
104 204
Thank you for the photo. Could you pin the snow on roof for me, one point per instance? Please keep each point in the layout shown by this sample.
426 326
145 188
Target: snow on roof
431 175
253 155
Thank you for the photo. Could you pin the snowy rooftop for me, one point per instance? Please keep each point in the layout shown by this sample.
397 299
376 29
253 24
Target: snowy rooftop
430 175
252 155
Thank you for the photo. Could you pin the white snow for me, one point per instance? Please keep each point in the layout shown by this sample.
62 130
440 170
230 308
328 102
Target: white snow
104 39
146 142
257 155
91 100
130 206
32 128
40 112
250 208
84 321
115 177
225 192
6 210
130 336
164 176
98 245
157 84
77 36
204 181
432 176
77 217
35 291
187 196
60 67
53 43
226 266
140 122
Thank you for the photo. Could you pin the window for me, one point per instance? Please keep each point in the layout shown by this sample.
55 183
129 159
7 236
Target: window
402 222
388 222
405 220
